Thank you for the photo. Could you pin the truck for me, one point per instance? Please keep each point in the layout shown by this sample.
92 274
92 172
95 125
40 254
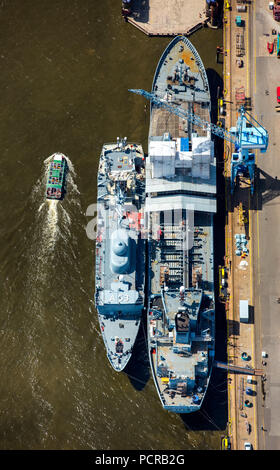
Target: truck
244 311
276 10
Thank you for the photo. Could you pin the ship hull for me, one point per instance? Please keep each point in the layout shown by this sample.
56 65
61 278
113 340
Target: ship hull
181 354
117 365
120 249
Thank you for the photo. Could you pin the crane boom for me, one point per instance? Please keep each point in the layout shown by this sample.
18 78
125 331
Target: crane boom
216 130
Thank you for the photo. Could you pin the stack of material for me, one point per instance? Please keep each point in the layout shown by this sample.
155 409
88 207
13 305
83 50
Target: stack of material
182 388
241 244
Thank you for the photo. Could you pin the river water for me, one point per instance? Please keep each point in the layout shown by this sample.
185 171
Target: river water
66 66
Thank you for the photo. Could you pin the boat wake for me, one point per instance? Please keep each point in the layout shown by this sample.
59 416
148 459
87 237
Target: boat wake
50 229
54 216
50 263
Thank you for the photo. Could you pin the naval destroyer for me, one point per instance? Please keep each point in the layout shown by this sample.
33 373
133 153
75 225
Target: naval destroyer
120 248
180 206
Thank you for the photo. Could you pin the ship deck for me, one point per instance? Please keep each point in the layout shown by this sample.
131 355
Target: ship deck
183 259
173 267
192 96
120 248
124 167
163 119
134 279
180 203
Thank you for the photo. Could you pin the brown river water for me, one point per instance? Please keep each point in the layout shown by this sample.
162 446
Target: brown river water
66 66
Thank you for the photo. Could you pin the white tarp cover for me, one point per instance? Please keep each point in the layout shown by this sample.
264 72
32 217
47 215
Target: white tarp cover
165 156
162 156
163 148
199 158
202 149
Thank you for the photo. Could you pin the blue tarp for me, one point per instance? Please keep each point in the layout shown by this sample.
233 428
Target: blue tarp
184 144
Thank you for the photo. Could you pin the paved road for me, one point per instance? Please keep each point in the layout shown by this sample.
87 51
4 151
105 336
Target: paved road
265 77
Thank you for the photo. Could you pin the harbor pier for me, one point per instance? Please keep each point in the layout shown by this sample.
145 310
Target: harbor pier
250 80
240 335
163 18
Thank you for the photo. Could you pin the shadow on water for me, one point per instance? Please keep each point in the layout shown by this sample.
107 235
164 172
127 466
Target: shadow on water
216 87
213 413
138 368
140 10
64 190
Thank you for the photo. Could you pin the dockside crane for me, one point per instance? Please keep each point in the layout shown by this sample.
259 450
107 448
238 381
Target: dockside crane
247 135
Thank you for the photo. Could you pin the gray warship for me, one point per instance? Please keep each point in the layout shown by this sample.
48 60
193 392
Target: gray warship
180 206
120 248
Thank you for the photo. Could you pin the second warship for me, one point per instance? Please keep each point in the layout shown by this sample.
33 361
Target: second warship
120 248
180 207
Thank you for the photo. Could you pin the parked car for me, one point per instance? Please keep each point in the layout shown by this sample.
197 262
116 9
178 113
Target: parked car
247 446
278 94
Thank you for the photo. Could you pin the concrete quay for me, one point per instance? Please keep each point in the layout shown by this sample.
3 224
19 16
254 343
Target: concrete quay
242 419
266 223
168 18
256 277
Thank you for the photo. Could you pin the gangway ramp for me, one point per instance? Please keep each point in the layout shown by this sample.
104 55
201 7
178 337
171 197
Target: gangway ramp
237 369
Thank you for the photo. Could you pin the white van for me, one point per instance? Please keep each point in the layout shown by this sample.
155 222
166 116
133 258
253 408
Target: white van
247 446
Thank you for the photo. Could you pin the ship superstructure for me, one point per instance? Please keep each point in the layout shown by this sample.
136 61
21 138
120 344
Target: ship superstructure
180 206
120 248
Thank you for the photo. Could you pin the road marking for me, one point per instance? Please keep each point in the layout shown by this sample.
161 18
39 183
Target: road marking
257 209
247 48
252 296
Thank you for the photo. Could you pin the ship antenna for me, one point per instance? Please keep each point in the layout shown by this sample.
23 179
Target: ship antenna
119 197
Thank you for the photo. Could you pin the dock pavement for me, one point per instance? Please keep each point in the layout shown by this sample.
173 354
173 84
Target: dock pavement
242 408
168 18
